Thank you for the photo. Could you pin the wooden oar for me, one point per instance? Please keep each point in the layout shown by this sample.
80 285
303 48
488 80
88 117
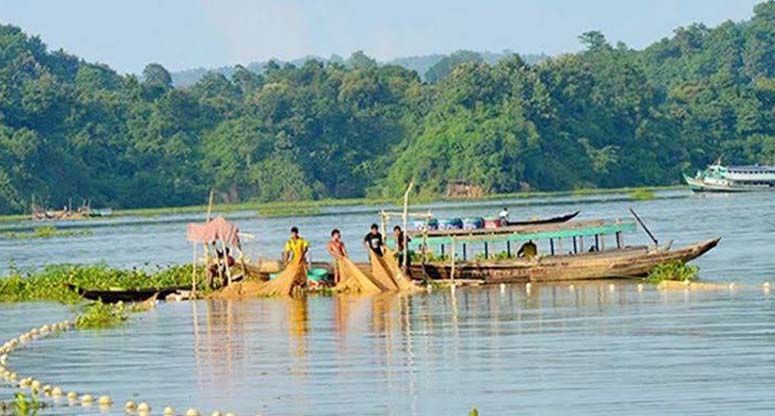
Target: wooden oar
646 229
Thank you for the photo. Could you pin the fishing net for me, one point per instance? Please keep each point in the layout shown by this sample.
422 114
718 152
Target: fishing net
239 291
402 281
353 280
288 282
381 272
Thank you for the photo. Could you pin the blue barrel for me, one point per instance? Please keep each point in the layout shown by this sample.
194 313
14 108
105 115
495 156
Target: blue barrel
451 224
473 223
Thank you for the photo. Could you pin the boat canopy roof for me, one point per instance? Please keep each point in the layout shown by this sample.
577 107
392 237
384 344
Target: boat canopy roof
751 168
523 233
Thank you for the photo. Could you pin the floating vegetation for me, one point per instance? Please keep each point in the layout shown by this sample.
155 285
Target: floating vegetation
676 270
642 194
288 211
100 315
51 284
47 231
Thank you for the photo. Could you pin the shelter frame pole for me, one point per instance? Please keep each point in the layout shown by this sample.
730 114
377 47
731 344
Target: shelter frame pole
193 272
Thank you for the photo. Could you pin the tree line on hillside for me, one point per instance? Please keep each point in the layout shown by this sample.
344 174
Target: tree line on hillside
605 117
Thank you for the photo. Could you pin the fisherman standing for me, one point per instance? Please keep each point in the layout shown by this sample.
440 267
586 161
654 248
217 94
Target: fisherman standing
337 250
373 240
296 248
504 217
398 234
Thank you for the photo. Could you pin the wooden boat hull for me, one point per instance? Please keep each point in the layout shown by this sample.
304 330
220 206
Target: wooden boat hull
619 263
133 295
553 220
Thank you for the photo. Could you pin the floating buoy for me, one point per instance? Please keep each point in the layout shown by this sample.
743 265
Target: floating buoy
4 359
216 413
105 401
732 286
25 383
143 408
429 288
192 412
72 396
130 406
169 411
56 392
572 288
87 400
503 287
34 331
35 384
612 288
46 389
230 414
12 376
640 287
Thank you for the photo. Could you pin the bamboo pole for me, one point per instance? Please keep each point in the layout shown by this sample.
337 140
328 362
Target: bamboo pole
406 220
193 272
210 205
452 255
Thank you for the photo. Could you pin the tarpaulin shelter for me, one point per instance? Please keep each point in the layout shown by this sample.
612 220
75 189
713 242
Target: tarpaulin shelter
217 229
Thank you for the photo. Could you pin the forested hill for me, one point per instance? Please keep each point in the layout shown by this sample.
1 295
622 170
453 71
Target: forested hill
608 116
435 63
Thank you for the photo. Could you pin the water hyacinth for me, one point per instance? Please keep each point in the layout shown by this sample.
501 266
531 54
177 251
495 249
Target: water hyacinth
50 284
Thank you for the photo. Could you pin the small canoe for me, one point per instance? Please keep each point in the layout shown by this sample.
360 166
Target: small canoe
552 220
126 295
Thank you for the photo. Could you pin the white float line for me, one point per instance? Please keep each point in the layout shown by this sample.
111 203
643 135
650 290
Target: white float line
55 392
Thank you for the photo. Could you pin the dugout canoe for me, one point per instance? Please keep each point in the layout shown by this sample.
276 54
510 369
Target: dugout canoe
126 295
552 220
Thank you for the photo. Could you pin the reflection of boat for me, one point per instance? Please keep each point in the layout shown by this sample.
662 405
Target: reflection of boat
126 295
552 220
718 178
575 262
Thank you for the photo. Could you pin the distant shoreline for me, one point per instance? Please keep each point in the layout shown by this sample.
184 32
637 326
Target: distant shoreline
300 208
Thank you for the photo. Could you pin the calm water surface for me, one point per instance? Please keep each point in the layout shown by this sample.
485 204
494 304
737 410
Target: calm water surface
552 350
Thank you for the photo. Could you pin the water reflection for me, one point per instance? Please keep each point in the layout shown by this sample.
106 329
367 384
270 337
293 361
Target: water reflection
582 349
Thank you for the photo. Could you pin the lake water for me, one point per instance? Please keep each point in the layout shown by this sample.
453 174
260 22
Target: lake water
589 349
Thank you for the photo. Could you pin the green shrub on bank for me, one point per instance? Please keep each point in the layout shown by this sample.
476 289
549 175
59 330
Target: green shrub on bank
642 195
676 270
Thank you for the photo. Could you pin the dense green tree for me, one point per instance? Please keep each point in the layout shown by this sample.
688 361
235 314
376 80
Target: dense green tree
604 117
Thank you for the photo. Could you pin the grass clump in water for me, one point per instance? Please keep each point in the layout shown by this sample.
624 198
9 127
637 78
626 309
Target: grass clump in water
676 270
100 315
44 232
23 405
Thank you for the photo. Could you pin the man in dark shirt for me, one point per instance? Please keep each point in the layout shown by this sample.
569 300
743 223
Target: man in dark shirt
373 240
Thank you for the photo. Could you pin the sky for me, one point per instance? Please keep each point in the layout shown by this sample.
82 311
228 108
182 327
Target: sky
182 34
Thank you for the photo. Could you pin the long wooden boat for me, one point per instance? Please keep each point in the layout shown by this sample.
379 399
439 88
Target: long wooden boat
575 250
553 220
126 295
624 262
